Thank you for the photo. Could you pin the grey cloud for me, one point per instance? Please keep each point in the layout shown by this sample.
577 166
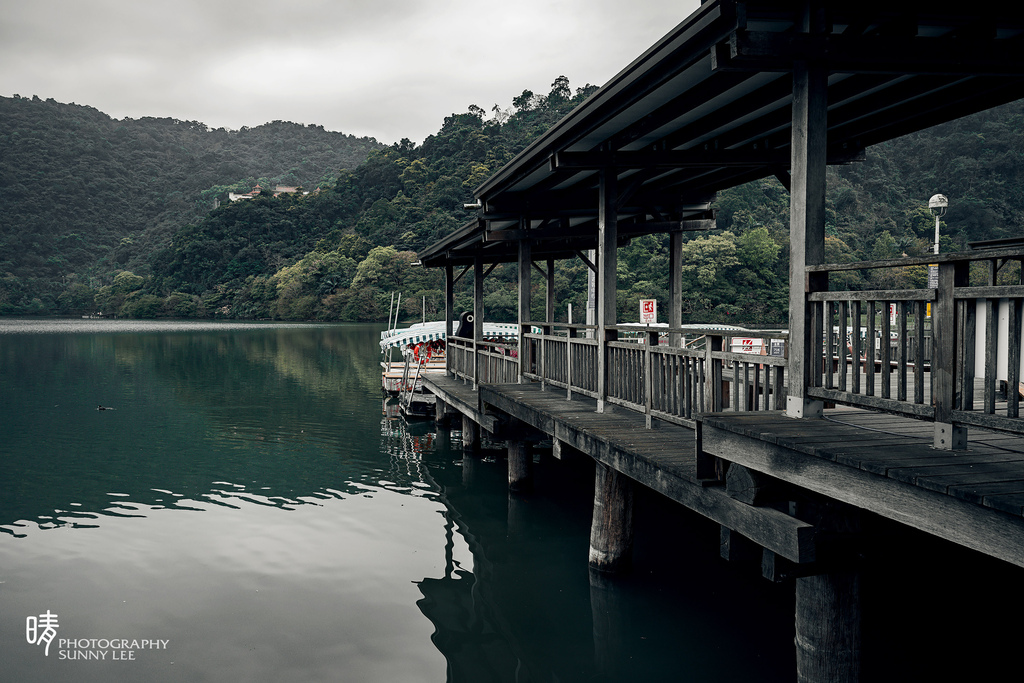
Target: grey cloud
385 68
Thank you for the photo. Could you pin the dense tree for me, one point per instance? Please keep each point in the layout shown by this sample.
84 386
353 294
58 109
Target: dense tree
85 195
118 216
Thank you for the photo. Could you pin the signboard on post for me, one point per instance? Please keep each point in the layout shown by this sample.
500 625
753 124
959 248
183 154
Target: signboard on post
648 311
933 283
747 345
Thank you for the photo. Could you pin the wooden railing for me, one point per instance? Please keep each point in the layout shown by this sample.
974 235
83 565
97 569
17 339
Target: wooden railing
563 356
865 357
483 362
669 374
998 405
950 353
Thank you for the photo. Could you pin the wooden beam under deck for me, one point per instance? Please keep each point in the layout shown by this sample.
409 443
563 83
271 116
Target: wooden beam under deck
662 459
974 498
881 463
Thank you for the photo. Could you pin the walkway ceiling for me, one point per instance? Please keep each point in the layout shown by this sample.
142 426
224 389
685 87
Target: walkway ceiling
708 107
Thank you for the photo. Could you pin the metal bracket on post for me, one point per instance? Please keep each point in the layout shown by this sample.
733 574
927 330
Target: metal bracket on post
801 406
950 437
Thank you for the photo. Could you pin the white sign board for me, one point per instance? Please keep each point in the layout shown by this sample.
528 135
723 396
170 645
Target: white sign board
747 345
648 311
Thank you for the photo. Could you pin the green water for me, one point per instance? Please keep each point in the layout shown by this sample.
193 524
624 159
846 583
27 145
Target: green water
246 504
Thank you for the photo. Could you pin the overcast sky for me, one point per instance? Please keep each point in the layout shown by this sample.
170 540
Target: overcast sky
383 68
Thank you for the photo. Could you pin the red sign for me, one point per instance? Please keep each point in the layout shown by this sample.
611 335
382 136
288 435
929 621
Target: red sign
648 310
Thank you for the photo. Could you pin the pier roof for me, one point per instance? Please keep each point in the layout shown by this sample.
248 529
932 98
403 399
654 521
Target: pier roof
709 107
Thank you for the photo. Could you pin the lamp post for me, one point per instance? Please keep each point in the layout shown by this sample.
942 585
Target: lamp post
937 205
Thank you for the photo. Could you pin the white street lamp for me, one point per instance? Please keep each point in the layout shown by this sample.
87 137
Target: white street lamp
937 205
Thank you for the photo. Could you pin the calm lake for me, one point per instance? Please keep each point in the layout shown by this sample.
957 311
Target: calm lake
245 510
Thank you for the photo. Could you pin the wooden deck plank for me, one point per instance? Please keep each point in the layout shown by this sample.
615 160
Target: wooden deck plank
885 453
881 463
1009 503
982 528
943 477
976 493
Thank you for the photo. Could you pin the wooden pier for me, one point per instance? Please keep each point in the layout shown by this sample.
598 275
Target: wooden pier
737 92
802 491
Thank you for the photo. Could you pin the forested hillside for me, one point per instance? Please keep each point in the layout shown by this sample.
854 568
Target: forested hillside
338 254
85 195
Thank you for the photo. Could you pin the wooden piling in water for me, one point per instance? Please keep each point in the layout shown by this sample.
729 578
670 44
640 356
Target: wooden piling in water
470 433
611 531
828 627
520 466
441 412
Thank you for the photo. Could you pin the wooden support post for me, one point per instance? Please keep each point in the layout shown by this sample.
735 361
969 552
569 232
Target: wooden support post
556 448
449 311
549 295
708 466
611 531
607 273
560 450
478 316
525 285
806 228
713 388
946 341
828 628
592 293
470 434
568 357
520 467
440 411
1013 326
734 547
775 568
549 318
675 286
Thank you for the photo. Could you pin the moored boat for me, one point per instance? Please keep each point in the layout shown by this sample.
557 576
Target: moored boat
422 347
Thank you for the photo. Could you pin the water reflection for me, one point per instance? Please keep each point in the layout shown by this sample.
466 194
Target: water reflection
236 502
248 500
273 410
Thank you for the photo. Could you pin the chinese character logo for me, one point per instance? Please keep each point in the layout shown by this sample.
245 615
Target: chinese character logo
648 310
41 629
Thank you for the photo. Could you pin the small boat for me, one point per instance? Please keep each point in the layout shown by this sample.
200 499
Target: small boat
422 347
422 350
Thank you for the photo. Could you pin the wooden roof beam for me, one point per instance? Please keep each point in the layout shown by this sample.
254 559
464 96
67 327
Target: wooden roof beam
692 158
581 202
714 86
938 106
870 54
626 228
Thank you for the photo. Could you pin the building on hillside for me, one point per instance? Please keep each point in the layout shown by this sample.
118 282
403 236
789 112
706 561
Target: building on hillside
249 195
285 189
